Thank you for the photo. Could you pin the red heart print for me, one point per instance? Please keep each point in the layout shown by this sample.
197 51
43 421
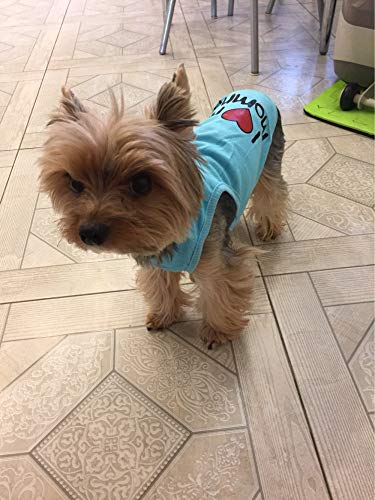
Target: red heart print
241 116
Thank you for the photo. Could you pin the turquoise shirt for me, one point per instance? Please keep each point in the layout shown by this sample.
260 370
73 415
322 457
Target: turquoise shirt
234 142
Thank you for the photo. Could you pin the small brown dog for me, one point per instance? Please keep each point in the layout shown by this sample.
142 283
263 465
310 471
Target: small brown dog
137 186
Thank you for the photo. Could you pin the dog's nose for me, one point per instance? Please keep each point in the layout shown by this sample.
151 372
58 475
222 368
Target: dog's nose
93 234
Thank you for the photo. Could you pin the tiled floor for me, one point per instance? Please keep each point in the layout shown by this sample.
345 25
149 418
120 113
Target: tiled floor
94 407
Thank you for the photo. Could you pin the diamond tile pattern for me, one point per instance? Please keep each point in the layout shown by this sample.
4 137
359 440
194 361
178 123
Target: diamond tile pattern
186 383
92 407
112 445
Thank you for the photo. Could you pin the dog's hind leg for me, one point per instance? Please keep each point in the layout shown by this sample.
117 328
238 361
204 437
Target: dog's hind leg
270 196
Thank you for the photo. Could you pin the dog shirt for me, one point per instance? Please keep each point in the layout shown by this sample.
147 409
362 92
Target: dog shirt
234 143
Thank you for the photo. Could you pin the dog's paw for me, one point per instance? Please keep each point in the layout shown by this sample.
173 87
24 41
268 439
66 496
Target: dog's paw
212 337
268 231
157 321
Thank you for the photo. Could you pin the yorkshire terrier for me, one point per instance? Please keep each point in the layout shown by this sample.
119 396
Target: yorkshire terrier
168 191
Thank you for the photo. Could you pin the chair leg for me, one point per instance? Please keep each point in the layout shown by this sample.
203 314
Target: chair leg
254 38
230 7
270 6
214 8
326 25
167 27
320 10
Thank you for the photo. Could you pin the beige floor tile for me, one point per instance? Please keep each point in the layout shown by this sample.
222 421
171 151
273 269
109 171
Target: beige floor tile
344 444
7 158
350 322
17 114
362 366
42 50
355 146
57 12
67 280
120 427
4 175
331 210
22 477
44 201
345 286
290 82
17 357
40 254
132 95
306 229
17 208
215 78
347 177
193 388
281 437
304 158
312 255
41 397
216 465
4 311
47 101
312 131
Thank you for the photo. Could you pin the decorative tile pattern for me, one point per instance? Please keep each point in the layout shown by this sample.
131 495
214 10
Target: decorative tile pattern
350 322
21 478
357 146
304 158
347 177
196 390
112 445
362 365
211 466
41 397
189 331
331 210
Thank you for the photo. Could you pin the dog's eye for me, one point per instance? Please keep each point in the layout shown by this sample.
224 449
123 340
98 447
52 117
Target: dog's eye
76 186
140 185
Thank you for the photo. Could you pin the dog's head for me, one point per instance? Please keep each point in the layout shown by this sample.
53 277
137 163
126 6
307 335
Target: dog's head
123 184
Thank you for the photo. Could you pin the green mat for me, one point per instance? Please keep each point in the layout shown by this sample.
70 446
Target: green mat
326 107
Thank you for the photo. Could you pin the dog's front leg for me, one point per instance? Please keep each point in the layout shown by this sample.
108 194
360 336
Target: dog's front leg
163 295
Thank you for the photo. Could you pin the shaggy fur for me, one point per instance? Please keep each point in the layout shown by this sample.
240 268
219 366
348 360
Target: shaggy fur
89 167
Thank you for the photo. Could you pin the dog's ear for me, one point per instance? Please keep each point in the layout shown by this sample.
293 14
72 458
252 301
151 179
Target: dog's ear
180 78
173 107
70 108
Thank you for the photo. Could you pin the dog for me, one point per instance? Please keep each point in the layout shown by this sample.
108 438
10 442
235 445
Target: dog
168 191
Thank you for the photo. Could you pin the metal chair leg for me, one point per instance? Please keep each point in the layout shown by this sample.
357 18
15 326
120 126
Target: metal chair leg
320 10
230 7
270 6
167 27
326 25
213 8
254 38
